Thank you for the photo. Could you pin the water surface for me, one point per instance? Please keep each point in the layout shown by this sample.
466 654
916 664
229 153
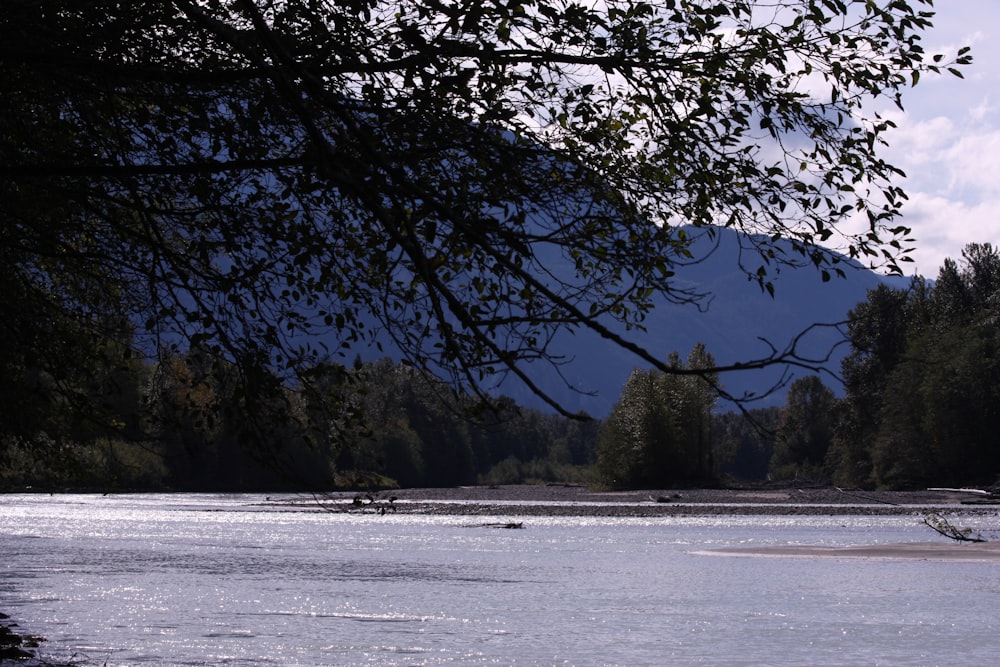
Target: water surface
229 580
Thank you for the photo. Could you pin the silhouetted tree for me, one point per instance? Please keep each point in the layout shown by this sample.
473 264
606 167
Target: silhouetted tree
275 183
743 442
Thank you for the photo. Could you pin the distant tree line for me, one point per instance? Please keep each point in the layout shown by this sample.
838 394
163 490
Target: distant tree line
921 407
192 421
921 402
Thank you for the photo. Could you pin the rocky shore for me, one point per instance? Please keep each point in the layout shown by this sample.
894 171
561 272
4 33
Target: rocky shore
567 500
12 644
17 648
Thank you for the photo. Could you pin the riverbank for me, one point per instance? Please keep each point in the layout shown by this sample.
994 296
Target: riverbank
985 552
20 649
12 644
567 500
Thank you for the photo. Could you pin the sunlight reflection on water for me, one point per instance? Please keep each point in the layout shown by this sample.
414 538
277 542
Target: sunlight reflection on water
213 580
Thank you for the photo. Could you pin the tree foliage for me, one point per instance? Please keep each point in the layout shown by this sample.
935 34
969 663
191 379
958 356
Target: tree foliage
805 431
276 182
658 433
743 442
921 409
922 380
183 431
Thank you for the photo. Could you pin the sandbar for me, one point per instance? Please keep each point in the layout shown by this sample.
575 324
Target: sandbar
930 551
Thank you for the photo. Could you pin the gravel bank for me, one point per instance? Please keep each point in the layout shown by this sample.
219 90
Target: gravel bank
556 500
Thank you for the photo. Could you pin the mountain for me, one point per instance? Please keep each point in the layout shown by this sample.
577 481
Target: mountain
735 322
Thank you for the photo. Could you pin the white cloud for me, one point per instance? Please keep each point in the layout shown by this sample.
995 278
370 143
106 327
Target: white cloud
950 158
948 141
953 186
943 227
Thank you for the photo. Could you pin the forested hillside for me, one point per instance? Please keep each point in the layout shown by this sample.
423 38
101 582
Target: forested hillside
921 404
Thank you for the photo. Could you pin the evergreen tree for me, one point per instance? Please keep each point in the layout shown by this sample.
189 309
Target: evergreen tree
877 330
743 443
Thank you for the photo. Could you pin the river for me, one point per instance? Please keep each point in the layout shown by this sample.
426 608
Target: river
230 580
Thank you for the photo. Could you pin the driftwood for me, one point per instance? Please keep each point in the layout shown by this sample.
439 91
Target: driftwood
865 497
951 531
983 497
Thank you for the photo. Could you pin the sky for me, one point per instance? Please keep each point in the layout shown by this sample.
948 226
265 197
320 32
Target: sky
948 140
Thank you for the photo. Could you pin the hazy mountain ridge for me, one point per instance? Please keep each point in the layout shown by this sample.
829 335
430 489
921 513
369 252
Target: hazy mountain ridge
735 322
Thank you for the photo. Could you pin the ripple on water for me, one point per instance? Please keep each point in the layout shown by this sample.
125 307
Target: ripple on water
198 580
